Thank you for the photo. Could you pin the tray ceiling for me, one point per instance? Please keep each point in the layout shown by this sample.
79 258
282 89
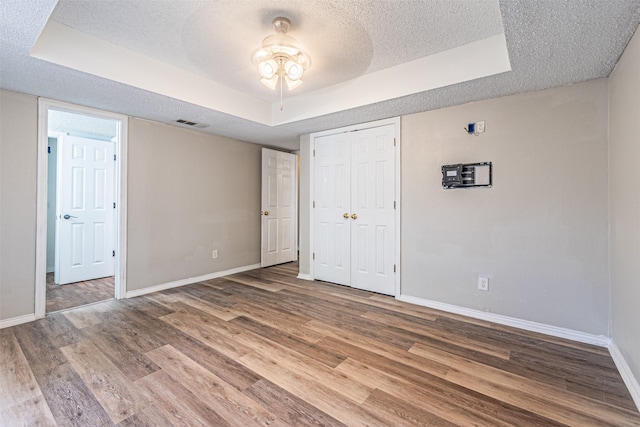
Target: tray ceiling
370 59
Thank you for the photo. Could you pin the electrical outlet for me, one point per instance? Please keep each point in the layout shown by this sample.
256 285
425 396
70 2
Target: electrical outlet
483 283
214 254
480 127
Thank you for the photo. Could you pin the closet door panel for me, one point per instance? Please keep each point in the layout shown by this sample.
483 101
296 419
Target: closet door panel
332 199
372 201
354 214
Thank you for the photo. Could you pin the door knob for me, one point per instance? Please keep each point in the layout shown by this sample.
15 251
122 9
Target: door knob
265 213
354 216
67 216
345 216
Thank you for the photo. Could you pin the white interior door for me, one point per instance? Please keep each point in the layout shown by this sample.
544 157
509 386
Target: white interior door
354 213
332 247
85 210
373 210
279 207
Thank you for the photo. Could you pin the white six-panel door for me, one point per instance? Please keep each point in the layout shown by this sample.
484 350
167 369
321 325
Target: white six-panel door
85 212
372 210
332 228
279 207
354 213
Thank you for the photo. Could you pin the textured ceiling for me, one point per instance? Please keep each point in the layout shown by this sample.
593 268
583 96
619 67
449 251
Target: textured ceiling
549 42
345 39
81 125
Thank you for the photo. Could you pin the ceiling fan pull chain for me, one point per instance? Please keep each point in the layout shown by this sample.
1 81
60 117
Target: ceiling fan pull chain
281 103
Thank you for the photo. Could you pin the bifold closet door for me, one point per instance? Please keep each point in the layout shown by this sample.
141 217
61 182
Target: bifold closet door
354 218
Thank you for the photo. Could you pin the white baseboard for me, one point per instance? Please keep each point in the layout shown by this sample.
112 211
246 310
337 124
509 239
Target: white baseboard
188 281
304 276
554 331
13 321
625 372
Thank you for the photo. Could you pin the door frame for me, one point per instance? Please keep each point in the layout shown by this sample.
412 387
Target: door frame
395 121
57 135
120 188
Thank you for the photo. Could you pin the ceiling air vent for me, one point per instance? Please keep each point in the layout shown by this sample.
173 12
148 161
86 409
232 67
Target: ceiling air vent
190 123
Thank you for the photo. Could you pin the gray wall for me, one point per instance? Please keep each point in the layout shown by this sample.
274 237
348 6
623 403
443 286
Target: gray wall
540 234
189 193
624 152
18 147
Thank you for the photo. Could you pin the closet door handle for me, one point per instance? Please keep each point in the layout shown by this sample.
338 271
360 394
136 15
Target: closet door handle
354 216
345 216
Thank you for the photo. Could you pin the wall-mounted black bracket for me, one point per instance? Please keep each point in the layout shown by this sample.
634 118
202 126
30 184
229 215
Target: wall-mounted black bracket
467 175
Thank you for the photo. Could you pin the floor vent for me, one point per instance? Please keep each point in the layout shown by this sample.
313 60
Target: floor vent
190 123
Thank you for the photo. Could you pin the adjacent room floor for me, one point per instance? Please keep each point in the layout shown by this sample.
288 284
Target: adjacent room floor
265 348
62 297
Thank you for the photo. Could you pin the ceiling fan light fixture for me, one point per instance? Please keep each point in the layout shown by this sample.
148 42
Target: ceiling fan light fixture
271 83
267 69
292 84
294 70
281 59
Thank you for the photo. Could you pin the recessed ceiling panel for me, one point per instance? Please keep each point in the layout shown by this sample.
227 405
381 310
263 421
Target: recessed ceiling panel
137 63
345 39
200 52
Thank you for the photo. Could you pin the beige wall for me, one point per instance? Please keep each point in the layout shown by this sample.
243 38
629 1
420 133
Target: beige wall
188 194
18 147
539 234
624 153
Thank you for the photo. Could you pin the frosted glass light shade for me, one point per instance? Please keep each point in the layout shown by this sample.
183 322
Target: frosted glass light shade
294 70
270 83
292 84
267 69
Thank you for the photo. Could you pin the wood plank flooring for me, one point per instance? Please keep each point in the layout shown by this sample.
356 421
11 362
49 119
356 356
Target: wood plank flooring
263 348
63 297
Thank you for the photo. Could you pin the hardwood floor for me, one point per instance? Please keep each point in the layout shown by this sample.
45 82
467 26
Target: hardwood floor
264 348
62 297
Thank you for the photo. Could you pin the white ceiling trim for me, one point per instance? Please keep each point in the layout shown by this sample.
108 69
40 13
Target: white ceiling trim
71 48
74 49
461 64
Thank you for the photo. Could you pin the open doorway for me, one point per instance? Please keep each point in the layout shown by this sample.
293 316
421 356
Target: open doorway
81 201
80 210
